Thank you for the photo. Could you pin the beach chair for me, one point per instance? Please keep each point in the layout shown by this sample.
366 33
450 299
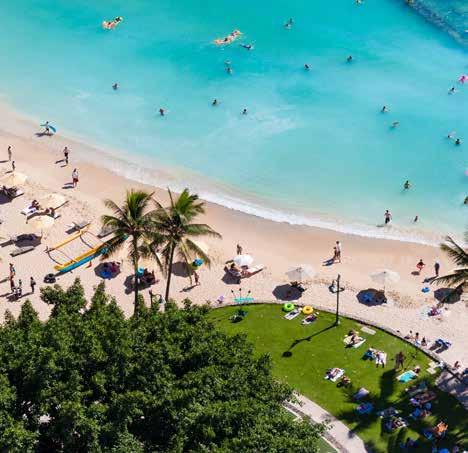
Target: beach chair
365 409
80 225
419 413
292 314
253 270
361 394
21 250
437 432
395 423
381 358
12 192
309 320
28 210
423 398
407 376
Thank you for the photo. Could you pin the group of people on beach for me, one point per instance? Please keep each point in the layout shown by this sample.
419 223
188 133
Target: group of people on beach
17 288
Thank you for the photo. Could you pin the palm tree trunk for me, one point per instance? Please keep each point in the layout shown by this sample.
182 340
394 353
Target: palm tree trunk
169 271
135 288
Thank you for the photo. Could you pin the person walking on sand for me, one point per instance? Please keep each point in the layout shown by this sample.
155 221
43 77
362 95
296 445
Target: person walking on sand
75 178
66 151
13 165
239 249
12 271
387 216
32 283
338 251
420 266
436 268
9 153
20 287
197 278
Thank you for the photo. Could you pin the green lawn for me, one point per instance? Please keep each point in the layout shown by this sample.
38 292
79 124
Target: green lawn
302 354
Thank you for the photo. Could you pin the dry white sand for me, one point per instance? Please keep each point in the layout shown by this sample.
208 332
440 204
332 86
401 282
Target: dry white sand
277 245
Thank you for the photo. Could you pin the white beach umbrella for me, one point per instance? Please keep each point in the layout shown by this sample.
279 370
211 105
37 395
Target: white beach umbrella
53 200
301 273
384 276
14 179
243 260
41 222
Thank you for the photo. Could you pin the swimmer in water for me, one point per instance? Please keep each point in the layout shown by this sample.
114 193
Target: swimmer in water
162 111
227 63
407 185
306 67
349 59
115 86
244 112
451 134
416 219
358 2
247 46
289 23
457 141
229 70
466 201
215 102
384 109
452 90
395 124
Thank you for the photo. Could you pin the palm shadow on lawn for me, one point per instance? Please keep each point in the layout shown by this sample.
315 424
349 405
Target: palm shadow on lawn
288 352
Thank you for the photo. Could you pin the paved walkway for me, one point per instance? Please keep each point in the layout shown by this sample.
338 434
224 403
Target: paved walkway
341 437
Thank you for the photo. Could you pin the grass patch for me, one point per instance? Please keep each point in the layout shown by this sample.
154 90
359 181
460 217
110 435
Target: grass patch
302 354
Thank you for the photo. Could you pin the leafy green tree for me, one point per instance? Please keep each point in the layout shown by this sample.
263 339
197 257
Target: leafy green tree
175 231
131 222
459 277
88 379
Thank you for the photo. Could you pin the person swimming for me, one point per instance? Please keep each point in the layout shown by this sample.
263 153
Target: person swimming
215 102
247 46
395 124
349 59
244 112
162 112
457 141
229 70
115 86
306 67
384 109
289 23
452 90
451 134
407 185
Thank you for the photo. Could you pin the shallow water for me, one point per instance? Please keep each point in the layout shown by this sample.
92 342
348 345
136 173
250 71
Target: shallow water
314 145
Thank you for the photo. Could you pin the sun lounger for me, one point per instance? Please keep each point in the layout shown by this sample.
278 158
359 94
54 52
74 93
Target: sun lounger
389 412
361 394
365 408
381 358
334 374
20 250
419 413
11 192
395 423
416 389
292 314
24 237
348 341
28 210
423 398
253 270
80 225
437 432
407 376
309 319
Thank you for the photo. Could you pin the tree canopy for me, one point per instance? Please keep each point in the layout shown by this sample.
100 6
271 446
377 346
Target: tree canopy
88 379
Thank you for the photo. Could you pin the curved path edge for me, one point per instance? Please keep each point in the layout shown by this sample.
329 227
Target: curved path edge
338 434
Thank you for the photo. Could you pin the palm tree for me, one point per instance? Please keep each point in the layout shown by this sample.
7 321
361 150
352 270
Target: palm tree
132 221
174 231
459 277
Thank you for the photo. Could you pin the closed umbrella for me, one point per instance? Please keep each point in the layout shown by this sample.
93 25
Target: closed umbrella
243 260
385 276
53 200
14 179
301 273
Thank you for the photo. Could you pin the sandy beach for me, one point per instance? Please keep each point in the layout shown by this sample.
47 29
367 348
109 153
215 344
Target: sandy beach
278 246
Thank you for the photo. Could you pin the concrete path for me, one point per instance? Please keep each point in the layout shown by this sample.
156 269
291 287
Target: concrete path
339 435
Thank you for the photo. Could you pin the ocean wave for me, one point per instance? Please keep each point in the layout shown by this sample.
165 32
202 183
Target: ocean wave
449 15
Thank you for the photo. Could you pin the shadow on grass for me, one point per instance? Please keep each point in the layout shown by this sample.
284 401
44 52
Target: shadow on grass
288 352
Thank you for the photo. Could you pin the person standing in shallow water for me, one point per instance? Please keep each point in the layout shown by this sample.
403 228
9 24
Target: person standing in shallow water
387 217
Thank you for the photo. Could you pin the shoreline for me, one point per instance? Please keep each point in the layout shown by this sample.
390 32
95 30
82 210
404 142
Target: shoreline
120 163
277 245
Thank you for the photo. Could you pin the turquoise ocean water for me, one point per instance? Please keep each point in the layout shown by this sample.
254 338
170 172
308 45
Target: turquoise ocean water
314 147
